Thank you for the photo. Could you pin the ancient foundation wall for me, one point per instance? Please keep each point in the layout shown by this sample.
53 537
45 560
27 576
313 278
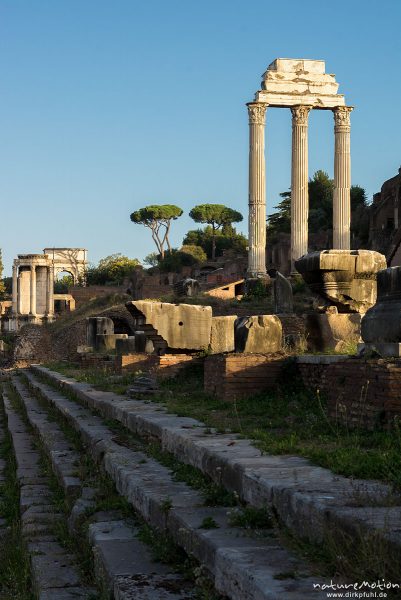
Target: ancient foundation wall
359 393
232 376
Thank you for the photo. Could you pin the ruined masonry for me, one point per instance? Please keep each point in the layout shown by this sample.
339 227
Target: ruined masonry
33 283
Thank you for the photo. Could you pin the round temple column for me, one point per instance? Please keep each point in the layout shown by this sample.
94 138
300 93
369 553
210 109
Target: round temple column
15 290
33 291
50 292
257 190
342 178
299 183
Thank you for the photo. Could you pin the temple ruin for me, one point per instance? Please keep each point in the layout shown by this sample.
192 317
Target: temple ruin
33 296
301 85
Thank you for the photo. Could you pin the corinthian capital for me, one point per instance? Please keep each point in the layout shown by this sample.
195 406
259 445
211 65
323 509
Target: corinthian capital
257 113
300 114
342 116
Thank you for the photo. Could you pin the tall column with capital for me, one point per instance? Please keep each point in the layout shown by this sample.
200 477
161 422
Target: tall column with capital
15 290
257 190
342 179
33 290
299 183
50 292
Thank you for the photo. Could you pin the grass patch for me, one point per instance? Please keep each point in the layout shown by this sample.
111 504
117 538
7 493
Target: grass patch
208 523
251 518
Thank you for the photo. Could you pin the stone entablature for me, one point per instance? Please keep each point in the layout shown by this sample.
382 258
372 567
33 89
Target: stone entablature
301 85
289 82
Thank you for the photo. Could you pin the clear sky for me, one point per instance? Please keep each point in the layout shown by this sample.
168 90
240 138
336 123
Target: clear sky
106 106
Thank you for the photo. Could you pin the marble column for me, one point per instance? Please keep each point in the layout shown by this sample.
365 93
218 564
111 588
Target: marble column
257 190
342 178
299 183
15 290
50 292
33 291
19 295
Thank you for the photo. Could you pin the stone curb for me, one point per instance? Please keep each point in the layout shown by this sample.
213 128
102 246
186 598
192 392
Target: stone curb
310 500
243 567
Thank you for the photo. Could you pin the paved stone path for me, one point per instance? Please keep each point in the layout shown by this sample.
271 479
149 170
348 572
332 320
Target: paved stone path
243 566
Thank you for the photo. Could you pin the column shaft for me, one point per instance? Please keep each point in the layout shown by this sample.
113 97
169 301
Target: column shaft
342 179
15 290
33 290
50 292
299 183
257 190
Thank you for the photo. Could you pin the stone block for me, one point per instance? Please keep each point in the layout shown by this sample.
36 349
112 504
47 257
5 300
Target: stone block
108 341
344 278
332 331
258 334
84 349
181 326
222 334
125 346
97 326
283 297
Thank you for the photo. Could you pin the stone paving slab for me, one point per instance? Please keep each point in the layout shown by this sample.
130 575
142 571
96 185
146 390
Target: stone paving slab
70 593
151 587
309 499
175 507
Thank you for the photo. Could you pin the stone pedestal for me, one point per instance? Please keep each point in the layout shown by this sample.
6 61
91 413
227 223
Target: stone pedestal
299 183
342 178
257 190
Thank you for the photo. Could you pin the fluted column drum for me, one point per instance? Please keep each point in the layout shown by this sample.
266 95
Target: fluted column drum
15 290
299 183
257 190
342 179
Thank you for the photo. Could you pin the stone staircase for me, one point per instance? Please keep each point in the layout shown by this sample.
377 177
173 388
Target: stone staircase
109 464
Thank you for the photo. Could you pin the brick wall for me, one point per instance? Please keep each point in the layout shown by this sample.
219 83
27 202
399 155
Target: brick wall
231 376
164 366
359 392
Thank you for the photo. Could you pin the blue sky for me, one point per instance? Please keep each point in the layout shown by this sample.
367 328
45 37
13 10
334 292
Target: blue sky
106 106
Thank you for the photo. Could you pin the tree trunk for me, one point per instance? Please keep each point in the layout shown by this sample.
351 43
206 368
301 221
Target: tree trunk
213 243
